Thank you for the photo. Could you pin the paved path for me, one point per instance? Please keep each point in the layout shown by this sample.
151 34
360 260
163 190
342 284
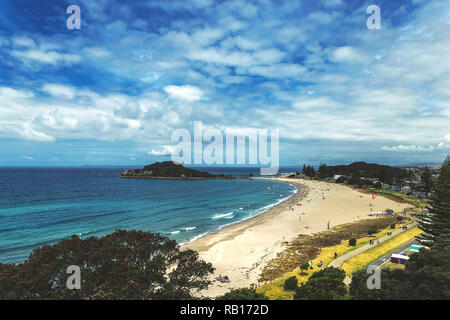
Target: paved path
339 261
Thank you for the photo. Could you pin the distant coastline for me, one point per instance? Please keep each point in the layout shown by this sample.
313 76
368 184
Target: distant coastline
170 170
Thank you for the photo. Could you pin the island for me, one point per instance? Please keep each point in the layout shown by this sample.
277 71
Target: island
170 170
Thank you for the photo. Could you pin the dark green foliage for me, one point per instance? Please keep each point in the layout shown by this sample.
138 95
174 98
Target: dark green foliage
372 231
359 170
352 242
308 171
326 284
242 294
169 169
341 180
393 226
378 185
438 221
323 171
426 181
123 265
305 266
291 283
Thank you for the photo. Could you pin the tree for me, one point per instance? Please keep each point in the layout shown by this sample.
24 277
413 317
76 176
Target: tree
308 171
123 265
426 180
437 222
242 294
326 284
291 283
352 242
323 171
304 267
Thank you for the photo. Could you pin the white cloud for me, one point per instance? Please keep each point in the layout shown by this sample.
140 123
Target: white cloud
185 92
23 42
447 138
278 71
58 90
46 57
347 54
408 148
29 134
166 150
331 3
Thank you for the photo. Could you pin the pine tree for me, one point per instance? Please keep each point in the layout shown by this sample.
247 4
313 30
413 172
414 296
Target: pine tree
437 222
426 181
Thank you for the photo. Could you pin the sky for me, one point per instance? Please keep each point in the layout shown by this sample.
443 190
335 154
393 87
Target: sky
113 92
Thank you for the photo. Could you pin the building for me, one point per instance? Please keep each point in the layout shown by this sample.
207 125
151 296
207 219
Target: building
399 258
405 190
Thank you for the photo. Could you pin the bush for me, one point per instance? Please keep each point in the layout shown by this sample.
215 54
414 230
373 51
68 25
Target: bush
243 294
341 180
291 283
352 242
305 266
372 231
393 226
132 265
378 185
326 284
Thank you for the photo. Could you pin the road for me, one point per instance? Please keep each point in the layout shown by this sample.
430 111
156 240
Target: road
387 257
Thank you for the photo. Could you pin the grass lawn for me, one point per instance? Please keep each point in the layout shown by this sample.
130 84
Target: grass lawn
274 290
391 265
364 259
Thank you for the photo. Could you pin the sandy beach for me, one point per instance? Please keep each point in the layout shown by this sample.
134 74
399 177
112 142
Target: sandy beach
242 250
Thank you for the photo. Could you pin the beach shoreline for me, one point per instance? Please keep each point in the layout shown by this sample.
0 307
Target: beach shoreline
241 251
212 237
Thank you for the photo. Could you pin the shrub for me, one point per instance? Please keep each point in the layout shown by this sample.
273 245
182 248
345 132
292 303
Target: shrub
341 180
377 185
326 284
123 265
352 242
305 266
372 231
393 226
243 294
291 283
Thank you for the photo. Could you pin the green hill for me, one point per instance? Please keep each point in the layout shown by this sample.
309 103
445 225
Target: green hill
170 170
368 170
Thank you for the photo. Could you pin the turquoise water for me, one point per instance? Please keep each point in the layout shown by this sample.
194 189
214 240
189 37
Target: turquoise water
44 205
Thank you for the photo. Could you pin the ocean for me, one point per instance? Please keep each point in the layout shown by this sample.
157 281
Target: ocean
41 206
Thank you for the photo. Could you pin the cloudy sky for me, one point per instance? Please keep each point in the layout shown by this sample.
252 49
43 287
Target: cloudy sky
114 91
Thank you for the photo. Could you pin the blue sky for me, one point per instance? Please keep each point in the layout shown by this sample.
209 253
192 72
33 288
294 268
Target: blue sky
114 91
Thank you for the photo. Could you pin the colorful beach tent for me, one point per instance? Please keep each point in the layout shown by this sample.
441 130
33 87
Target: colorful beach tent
399 258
